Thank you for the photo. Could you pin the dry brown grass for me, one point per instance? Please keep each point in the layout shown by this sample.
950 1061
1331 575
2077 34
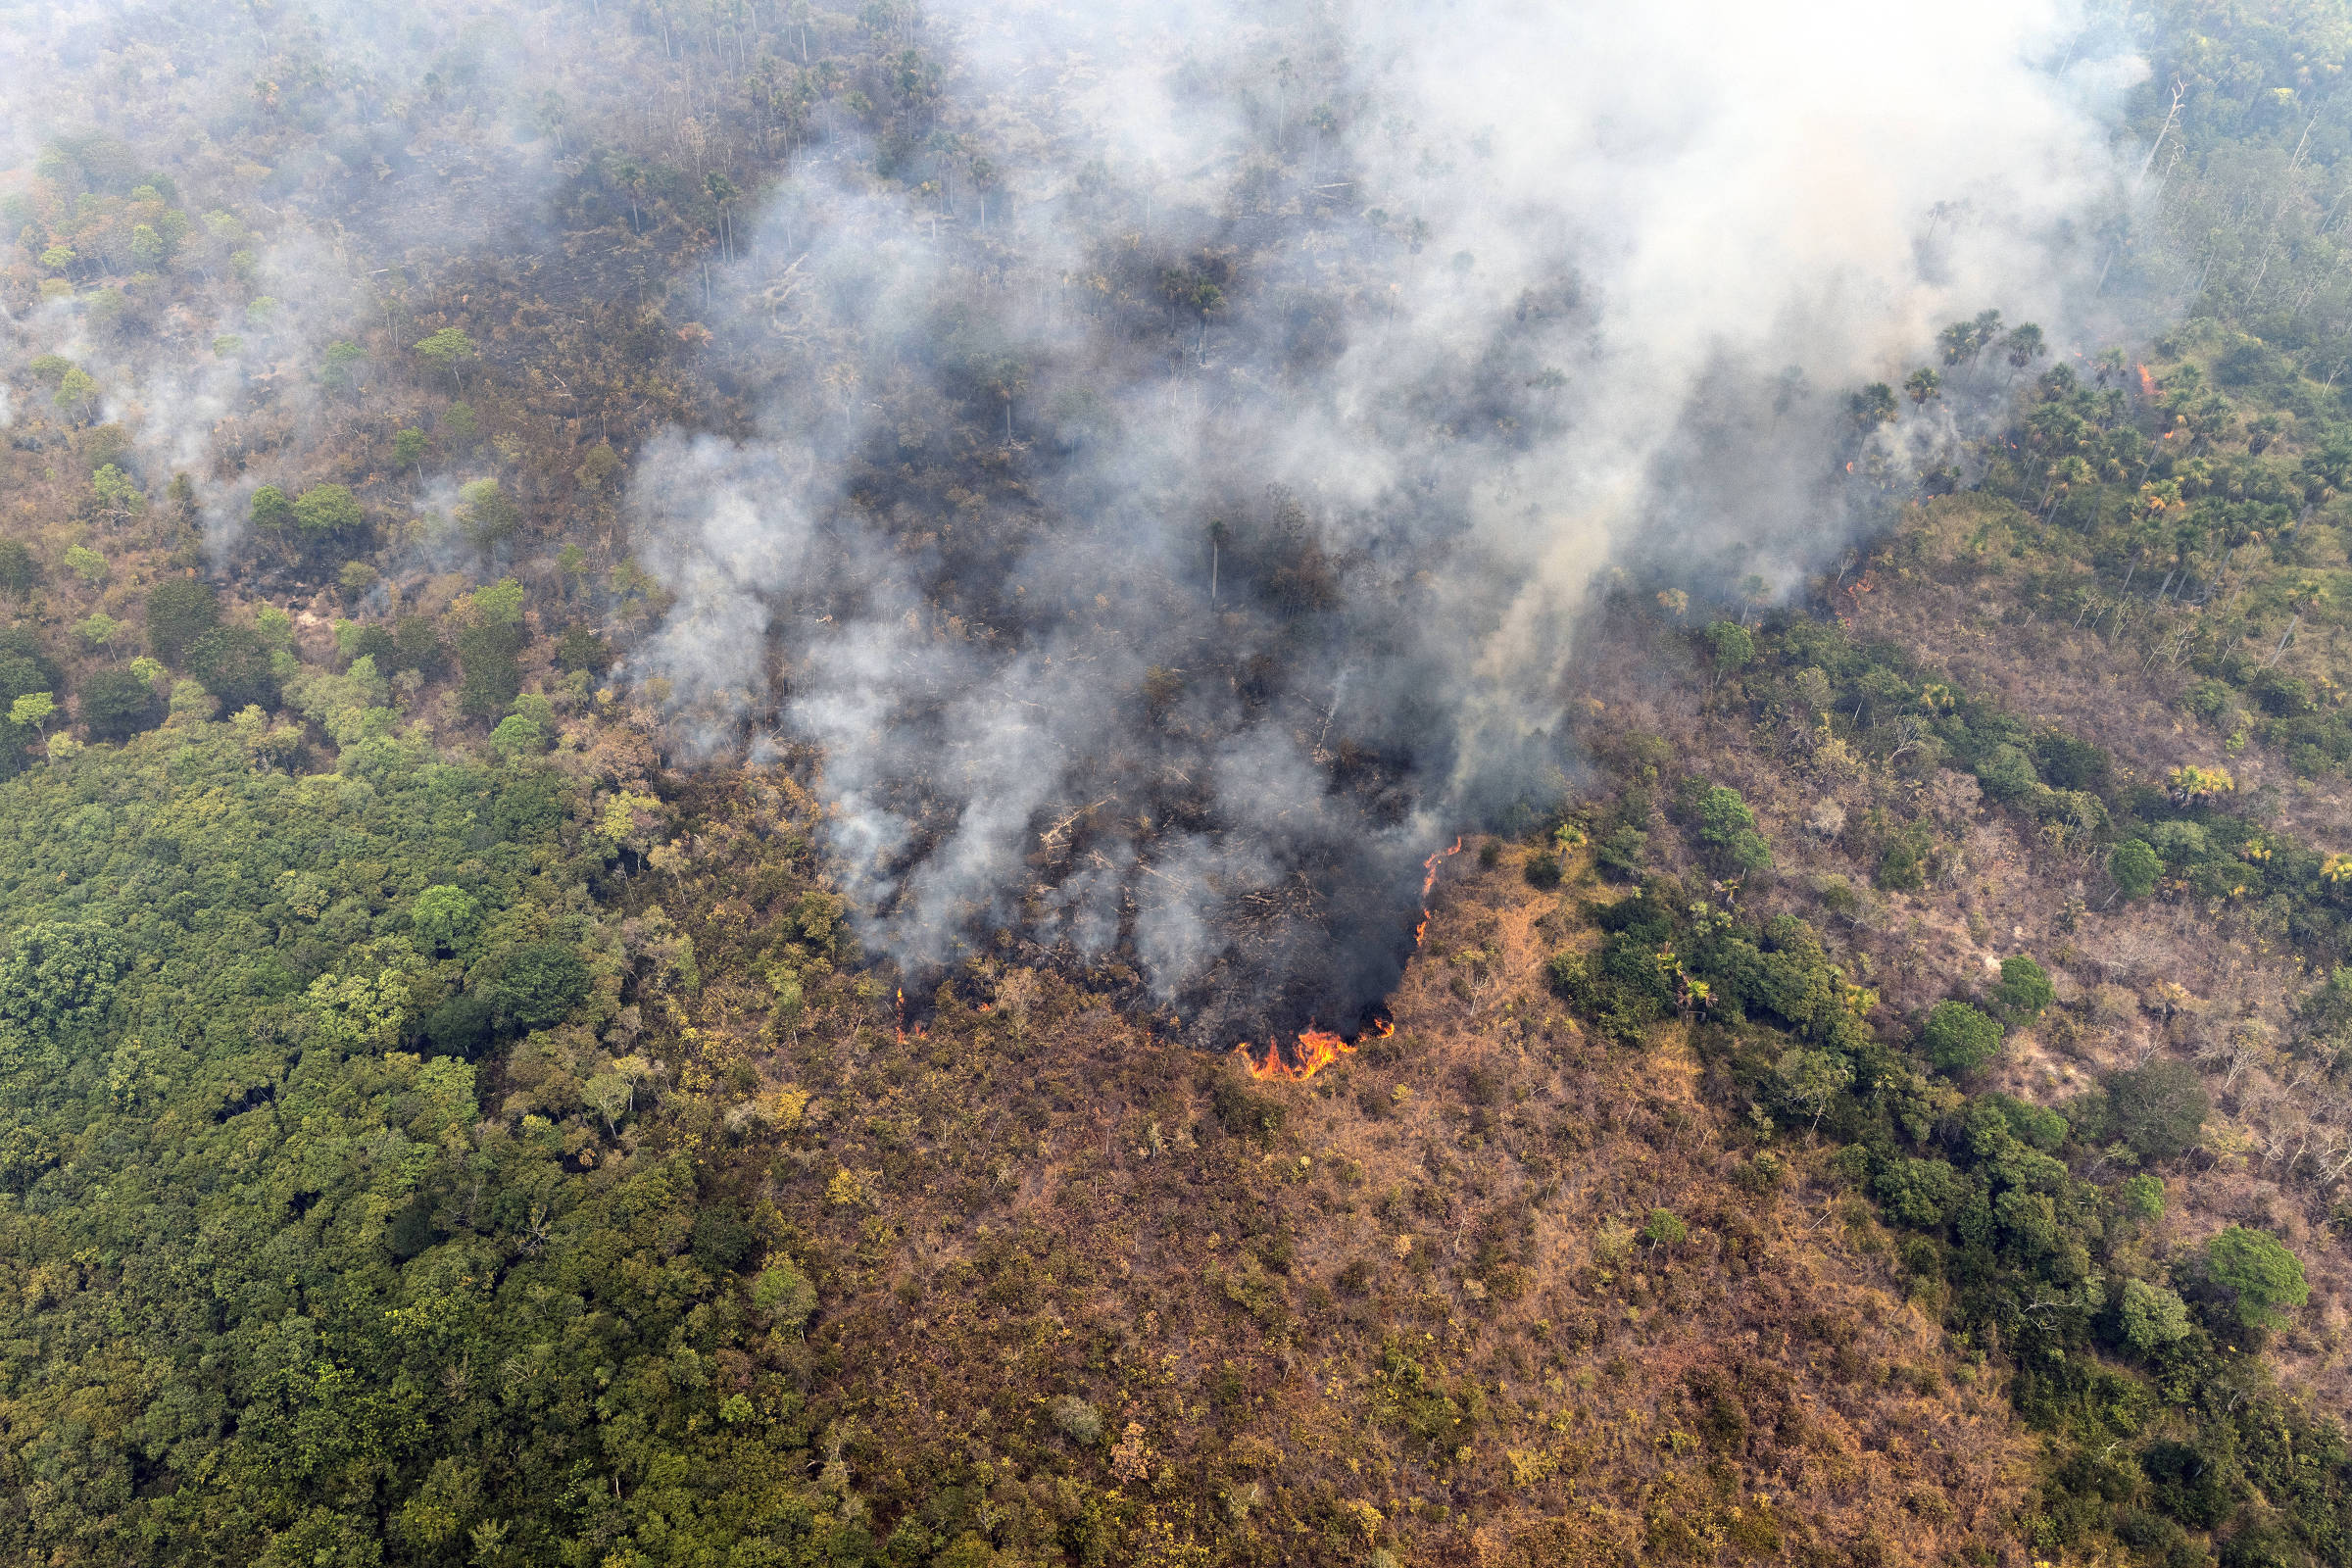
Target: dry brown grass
1054 1206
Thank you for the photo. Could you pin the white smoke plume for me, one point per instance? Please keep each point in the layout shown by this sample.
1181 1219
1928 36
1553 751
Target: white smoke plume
1334 351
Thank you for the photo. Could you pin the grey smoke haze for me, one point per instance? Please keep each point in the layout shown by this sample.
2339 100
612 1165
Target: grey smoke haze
1503 294
401 138
1305 368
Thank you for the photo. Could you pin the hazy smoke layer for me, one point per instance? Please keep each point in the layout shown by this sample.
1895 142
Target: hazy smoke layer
387 139
1313 361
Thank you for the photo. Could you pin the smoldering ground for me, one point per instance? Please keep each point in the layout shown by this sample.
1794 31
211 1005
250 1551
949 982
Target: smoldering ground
1304 367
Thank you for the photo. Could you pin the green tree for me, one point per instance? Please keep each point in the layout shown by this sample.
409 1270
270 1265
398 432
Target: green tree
116 495
449 350
418 646
1919 1193
86 564
407 447
2152 1316
234 663
1872 406
445 917
1811 1079
33 710
531 984
487 516
517 736
1732 645
18 571
2265 1276
1620 852
58 975
1728 828
2134 868
117 703
582 650
2024 988
1959 1039
77 392
783 1293
1924 385
597 468
325 510
2022 346
339 366
179 610
270 510
500 603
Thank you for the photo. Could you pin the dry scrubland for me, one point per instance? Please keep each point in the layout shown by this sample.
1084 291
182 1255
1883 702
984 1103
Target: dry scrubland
1407 1305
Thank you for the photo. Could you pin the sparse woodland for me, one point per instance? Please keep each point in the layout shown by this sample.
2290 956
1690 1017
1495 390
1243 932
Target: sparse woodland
1891 1104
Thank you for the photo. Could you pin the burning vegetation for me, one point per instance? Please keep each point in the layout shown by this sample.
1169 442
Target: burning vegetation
1317 1049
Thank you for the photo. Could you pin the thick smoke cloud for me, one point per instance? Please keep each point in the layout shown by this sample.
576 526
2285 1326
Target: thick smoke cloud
1339 351
1178 486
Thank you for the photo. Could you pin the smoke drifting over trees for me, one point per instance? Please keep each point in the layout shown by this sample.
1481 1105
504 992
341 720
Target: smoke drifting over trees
1157 458
1327 358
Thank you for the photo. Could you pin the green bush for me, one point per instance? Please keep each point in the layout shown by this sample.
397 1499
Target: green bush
784 1294
2266 1278
1243 1112
2134 867
1728 828
117 703
2024 988
2006 773
1959 1039
179 610
532 984
1620 852
233 664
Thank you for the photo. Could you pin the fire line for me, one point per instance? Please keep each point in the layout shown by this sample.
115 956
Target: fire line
1318 1048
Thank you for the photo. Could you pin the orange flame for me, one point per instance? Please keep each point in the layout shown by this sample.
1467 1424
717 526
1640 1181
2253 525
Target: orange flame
1428 882
2147 382
1318 1048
